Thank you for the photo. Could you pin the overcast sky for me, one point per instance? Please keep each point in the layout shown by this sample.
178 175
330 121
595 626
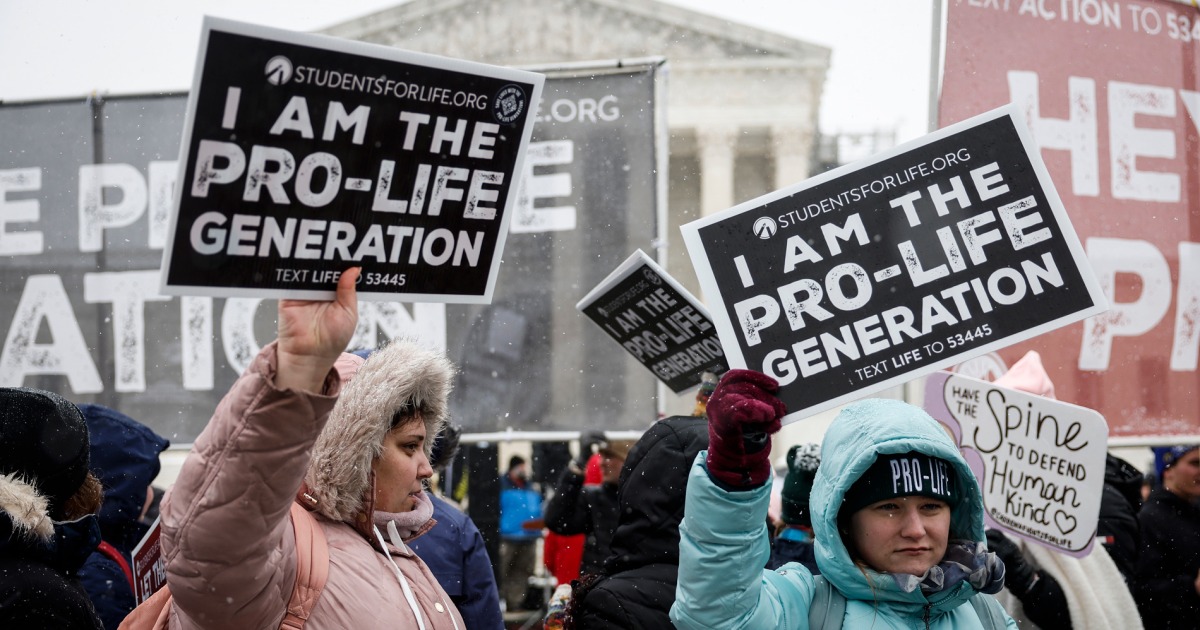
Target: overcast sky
71 48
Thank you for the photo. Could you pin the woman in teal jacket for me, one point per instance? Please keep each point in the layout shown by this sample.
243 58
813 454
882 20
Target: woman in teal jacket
896 513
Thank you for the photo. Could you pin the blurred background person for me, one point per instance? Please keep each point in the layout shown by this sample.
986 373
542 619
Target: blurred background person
455 552
1167 584
124 456
635 586
562 554
577 508
48 505
520 530
793 542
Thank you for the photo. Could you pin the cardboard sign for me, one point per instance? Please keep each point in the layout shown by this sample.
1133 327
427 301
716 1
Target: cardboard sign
884 270
1039 462
305 155
657 321
149 570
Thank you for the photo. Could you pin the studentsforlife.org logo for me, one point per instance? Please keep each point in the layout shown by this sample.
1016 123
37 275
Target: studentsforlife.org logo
279 70
508 104
765 228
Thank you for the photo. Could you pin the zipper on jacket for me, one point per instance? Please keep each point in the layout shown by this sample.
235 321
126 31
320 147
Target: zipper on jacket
928 608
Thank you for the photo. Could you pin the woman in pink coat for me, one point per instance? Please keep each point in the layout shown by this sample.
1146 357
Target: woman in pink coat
350 441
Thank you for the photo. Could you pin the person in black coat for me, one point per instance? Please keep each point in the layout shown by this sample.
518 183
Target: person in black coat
794 540
636 587
48 501
1167 582
592 510
124 456
1118 529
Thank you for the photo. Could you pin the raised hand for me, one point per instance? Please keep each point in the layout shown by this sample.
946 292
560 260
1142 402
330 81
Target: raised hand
743 413
312 334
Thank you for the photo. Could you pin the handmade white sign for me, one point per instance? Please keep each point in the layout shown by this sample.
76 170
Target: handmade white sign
1039 462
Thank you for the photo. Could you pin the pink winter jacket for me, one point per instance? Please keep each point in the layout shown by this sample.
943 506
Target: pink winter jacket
226 533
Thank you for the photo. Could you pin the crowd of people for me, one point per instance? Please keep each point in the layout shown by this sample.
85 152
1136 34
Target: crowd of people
671 529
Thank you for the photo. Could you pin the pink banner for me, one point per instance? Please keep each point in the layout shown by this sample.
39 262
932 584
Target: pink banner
1109 90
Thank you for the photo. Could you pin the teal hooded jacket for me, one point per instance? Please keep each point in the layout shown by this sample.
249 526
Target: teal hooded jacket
724 542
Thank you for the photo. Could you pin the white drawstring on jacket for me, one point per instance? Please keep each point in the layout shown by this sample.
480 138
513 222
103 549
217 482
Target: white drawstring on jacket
398 543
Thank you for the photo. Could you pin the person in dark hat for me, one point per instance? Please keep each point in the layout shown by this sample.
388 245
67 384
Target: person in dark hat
455 552
576 508
794 540
124 457
48 505
896 513
1167 587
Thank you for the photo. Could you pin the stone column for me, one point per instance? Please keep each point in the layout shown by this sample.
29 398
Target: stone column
716 149
792 146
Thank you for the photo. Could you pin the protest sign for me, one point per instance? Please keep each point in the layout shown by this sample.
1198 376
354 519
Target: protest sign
1108 90
149 569
304 155
88 207
657 321
1039 462
887 269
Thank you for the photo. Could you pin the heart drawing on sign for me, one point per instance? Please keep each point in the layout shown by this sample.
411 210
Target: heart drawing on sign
1066 523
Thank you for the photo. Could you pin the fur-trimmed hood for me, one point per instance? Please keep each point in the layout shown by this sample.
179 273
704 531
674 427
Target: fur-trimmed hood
26 508
339 477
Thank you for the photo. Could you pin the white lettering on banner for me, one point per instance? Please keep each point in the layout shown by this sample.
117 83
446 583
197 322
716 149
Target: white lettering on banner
1186 347
195 333
528 218
44 300
1129 142
1127 104
19 180
162 200
95 216
127 292
237 332
1110 256
44 305
565 110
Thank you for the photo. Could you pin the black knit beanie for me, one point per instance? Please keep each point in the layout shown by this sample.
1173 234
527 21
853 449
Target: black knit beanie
904 475
44 441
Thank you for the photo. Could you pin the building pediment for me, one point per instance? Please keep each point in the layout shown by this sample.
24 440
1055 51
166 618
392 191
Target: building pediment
539 32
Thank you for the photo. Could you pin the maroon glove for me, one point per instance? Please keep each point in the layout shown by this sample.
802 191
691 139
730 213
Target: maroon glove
743 413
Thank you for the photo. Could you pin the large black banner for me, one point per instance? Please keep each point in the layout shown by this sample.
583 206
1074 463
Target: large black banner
307 155
881 271
86 191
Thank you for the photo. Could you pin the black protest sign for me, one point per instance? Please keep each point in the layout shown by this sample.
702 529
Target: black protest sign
1039 462
305 155
657 321
882 271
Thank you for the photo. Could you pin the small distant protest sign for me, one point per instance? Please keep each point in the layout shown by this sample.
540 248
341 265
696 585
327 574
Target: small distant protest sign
149 569
1039 462
881 271
657 321
304 155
